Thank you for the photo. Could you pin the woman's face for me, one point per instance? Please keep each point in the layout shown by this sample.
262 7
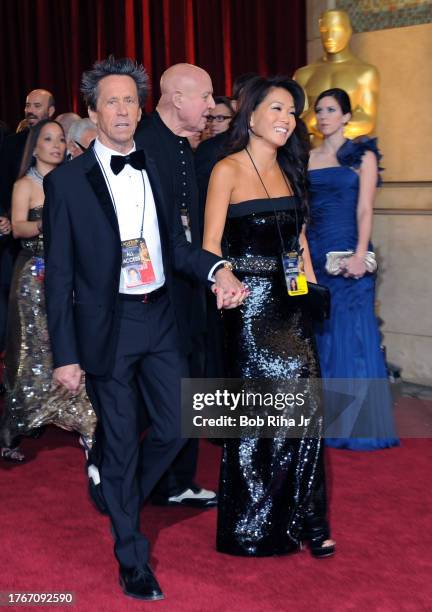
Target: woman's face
51 145
221 117
330 118
274 119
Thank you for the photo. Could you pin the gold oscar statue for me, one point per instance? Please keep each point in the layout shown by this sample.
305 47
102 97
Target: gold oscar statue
339 67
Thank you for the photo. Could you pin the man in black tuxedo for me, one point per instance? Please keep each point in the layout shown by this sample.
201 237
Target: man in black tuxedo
104 213
185 102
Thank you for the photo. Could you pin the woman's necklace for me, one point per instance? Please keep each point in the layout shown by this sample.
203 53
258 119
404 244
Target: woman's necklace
35 175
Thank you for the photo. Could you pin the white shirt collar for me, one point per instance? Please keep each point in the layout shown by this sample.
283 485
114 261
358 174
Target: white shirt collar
104 153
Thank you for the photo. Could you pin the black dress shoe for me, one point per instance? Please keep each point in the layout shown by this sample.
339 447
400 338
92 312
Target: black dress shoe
140 582
193 496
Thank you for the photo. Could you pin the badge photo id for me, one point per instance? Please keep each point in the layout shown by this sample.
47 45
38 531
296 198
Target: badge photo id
137 267
295 278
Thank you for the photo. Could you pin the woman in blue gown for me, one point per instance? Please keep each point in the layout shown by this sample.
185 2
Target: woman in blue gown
343 175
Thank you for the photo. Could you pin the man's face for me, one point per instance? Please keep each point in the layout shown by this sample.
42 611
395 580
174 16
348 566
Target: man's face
37 107
196 102
77 148
117 112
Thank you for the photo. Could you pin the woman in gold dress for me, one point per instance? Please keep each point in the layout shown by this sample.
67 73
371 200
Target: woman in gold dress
31 400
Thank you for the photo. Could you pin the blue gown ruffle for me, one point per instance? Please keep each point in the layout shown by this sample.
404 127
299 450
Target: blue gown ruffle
349 342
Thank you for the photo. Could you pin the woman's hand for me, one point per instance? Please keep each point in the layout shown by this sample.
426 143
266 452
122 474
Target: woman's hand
354 267
5 226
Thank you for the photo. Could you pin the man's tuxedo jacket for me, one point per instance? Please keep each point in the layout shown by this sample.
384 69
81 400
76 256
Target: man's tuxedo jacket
83 262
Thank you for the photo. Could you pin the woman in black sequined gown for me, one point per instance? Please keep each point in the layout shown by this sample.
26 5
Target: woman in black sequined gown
31 400
272 490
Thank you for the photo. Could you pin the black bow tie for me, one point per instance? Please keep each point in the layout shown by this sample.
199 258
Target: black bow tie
135 159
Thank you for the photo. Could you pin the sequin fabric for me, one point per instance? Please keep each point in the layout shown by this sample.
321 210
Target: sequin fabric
31 400
268 487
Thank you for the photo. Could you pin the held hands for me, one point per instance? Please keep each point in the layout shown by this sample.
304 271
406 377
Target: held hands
69 377
5 226
229 291
354 267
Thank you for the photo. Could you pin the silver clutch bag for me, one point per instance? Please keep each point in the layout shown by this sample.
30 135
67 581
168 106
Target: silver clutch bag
335 259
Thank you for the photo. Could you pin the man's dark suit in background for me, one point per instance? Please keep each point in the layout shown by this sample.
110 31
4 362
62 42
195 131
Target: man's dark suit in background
206 157
10 162
174 159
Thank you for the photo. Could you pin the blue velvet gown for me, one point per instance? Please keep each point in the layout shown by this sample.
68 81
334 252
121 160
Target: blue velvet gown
349 342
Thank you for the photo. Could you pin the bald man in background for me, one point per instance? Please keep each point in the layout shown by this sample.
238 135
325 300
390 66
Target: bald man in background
39 105
80 136
182 110
66 120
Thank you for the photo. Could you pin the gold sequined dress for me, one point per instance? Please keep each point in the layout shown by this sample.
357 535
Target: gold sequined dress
32 401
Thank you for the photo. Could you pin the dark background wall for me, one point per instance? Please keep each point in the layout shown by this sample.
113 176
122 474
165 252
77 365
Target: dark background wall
48 43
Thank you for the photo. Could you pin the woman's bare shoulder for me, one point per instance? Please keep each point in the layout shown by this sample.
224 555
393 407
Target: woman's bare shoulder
228 166
23 185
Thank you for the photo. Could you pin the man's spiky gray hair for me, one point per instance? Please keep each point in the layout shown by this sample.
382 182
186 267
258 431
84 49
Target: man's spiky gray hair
108 67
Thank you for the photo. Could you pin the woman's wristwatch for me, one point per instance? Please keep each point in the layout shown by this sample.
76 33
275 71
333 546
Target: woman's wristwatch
224 264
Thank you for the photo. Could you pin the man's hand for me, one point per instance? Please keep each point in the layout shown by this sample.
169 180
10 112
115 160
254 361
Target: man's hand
5 226
69 377
230 292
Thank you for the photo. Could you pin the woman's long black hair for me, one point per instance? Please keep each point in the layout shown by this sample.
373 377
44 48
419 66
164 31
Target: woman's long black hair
27 159
294 154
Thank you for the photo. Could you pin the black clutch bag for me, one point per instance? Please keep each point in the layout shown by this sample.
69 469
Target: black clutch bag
318 301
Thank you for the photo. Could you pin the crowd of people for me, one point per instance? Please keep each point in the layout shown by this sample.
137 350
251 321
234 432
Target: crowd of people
140 250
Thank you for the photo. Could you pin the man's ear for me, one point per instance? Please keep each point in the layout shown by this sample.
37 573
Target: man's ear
72 148
92 115
139 114
177 99
51 111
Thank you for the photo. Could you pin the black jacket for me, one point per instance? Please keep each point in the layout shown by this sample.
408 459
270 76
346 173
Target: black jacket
10 162
207 155
83 262
154 138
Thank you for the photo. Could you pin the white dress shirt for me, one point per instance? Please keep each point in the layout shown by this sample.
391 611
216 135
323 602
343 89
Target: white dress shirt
127 192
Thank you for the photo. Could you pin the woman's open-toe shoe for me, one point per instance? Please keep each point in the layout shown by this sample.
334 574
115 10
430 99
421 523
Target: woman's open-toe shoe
316 535
12 454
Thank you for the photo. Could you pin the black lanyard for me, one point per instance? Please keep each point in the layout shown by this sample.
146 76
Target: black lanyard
274 210
112 195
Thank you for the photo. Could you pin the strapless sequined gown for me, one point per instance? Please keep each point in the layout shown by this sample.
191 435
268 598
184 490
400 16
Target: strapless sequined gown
268 487
31 400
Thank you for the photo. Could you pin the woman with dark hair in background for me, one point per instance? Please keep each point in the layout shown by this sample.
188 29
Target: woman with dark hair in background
343 178
219 117
31 401
272 490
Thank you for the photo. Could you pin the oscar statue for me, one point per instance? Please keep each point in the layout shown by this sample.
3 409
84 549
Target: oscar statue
339 67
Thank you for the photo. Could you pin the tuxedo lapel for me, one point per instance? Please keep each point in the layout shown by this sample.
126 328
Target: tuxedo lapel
97 181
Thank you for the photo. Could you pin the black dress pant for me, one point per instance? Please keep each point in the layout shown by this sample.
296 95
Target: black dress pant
8 252
181 474
147 363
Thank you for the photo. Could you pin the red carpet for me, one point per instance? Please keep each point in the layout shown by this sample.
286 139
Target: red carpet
53 540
